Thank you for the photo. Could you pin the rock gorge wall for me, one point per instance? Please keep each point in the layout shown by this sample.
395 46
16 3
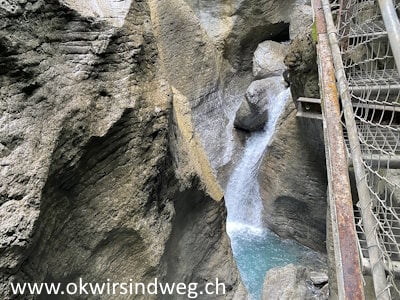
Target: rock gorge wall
115 117
293 181
207 48
292 175
99 179
215 42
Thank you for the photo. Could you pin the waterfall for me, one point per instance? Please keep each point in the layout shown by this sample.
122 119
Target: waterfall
256 249
242 194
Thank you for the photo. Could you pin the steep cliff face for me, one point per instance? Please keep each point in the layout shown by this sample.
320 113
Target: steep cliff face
99 179
292 174
293 181
208 47
302 67
115 117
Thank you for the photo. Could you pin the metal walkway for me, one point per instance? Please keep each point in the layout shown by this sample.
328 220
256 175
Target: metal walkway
359 62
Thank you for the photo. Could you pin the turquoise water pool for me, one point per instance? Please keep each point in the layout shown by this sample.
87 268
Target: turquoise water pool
256 251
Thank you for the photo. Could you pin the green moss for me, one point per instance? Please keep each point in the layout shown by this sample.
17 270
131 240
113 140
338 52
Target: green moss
314 33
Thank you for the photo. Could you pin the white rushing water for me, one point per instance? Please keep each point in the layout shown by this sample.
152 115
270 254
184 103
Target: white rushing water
242 193
256 249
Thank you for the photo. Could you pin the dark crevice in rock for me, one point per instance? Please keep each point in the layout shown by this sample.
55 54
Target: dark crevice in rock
30 88
241 56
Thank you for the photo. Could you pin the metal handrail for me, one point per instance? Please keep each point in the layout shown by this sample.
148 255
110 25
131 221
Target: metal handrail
392 25
369 222
348 269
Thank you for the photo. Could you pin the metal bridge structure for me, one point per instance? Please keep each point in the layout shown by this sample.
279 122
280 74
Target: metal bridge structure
358 46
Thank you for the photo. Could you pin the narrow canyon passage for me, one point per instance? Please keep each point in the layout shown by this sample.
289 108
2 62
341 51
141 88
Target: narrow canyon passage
156 139
256 248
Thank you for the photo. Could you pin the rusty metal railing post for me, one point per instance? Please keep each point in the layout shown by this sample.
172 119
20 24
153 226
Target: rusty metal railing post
370 225
348 269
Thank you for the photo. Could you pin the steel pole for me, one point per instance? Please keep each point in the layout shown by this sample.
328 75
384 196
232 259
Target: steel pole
381 287
348 269
392 25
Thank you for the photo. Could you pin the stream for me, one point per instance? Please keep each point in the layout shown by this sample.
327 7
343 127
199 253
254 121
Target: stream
255 248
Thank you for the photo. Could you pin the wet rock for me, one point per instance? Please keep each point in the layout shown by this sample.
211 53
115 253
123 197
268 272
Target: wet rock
268 59
292 175
292 283
253 112
207 47
250 117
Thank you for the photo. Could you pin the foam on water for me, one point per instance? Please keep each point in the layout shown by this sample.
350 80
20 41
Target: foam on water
242 193
255 248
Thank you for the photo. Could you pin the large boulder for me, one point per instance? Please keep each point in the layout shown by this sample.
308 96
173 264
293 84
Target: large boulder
295 283
253 112
268 59
250 117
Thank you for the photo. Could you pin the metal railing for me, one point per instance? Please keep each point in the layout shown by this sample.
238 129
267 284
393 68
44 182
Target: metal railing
347 260
364 40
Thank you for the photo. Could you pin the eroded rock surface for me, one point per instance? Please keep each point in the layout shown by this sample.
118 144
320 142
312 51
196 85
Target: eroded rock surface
268 59
101 170
115 116
295 282
292 175
208 48
301 20
253 112
302 66
293 181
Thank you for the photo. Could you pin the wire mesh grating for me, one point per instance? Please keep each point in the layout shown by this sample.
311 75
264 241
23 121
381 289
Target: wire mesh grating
374 84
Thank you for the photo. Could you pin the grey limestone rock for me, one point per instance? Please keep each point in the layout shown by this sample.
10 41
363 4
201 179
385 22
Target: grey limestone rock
293 180
253 112
293 283
301 20
268 59
98 180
